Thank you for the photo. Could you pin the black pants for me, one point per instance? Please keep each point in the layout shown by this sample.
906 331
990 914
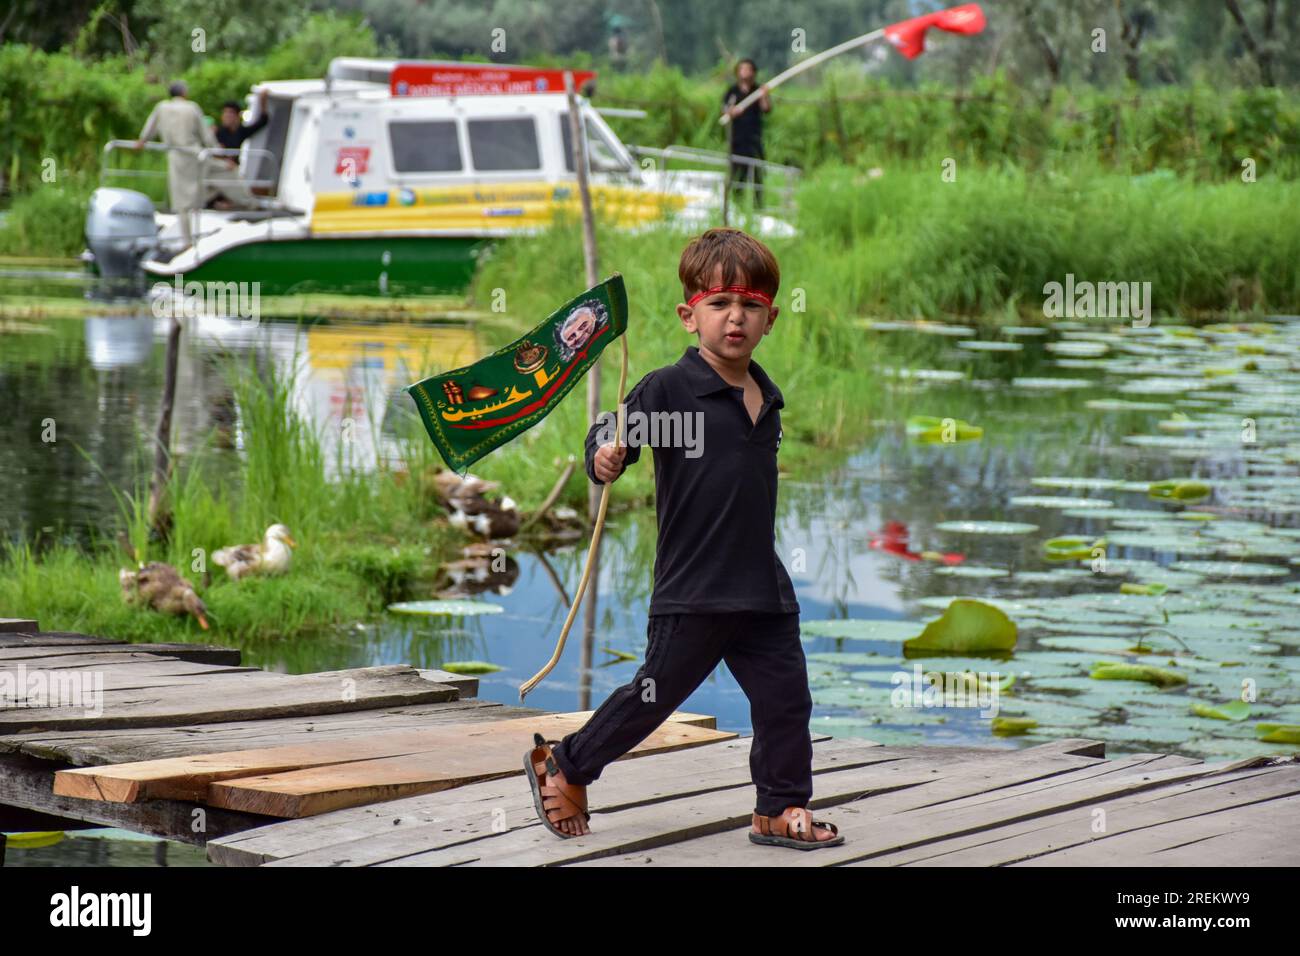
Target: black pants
764 653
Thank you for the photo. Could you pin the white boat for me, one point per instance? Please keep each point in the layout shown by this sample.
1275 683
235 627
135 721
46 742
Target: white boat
391 177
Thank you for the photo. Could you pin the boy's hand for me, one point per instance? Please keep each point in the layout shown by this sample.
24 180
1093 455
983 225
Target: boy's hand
608 462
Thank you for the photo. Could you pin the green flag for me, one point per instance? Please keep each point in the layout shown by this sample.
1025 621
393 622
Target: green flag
471 411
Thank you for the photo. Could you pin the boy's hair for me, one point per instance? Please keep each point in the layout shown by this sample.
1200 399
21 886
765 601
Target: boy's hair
740 63
737 252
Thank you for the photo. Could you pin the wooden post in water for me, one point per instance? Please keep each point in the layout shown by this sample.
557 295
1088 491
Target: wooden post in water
159 510
726 185
578 144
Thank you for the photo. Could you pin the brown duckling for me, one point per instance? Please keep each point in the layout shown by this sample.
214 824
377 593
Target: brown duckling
161 587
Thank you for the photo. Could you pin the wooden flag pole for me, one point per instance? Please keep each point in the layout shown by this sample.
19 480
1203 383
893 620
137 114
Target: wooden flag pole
577 141
801 66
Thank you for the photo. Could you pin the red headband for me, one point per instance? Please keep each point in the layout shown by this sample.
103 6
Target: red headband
743 290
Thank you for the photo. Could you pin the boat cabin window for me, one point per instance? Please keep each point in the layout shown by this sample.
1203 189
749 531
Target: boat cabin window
600 152
425 146
504 144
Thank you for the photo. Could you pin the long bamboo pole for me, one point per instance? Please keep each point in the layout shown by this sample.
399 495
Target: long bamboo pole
801 66
577 142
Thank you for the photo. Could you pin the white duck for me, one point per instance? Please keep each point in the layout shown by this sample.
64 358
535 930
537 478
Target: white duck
270 557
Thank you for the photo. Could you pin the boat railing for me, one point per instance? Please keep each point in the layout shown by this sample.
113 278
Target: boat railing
783 189
268 210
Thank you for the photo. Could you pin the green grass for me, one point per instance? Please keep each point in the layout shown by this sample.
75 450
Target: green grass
364 541
904 244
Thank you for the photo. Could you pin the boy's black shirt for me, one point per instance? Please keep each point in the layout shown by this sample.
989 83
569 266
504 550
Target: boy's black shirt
716 549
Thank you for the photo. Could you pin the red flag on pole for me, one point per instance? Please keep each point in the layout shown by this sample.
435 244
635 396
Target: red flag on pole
908 36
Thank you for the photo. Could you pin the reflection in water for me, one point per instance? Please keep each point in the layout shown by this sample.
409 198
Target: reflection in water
96 384
115 341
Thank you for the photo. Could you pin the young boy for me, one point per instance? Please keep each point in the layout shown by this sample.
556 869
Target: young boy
721 592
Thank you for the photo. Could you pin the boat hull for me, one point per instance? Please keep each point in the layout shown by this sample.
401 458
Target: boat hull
353 265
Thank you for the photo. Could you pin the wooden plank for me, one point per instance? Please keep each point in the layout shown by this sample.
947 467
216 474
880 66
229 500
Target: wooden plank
127 745
466 684
373 834
672 821
1261 801
50 638
196 653
28 783
10 624
188 778
376 833
881 823
130 675
1259 834
1056 832
456 755
359 689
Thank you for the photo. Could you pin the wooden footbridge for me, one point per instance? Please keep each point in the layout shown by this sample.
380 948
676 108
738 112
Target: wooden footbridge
397 766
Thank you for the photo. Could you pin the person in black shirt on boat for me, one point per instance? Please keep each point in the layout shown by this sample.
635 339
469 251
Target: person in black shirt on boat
746 127
233 131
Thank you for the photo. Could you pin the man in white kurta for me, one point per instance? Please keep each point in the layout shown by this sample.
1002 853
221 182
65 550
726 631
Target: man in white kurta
179 123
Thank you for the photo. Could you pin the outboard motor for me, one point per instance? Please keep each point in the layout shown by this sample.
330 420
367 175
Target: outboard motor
120 231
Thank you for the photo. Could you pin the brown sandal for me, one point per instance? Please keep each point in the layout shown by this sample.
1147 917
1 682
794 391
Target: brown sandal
557 800
794 828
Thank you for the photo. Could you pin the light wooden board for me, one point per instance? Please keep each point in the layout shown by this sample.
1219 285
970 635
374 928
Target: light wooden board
188 778
456 755
27 783
672 821
275 696
132 744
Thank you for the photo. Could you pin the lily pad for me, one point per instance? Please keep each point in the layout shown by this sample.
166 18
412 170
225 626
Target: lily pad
469 667
1153 588
1176 489
976 345
447 608
862 629
1117 670
1123 405
931 430
1278 733
1050 384
966 626
1230 569
1077 484
972 571
1232 710
1051 501
1073 549
986 527
1012 726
